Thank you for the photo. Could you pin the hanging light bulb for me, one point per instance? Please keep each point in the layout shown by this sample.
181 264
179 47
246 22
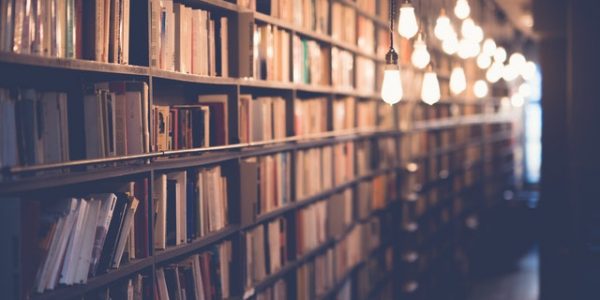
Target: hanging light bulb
510 72
517 100
477 34
458 82
489 46
464 50
462 9
499 55
391 87
442 29
483 61
420 57
518 60
407 22
525 90
528 70
467 27
450 45
480 88
494 73
430 91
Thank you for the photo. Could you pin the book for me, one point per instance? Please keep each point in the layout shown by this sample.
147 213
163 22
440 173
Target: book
266 181
219 117
310 116
261 119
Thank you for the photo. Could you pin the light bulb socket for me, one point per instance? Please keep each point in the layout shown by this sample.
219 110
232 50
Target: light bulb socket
391 57
429 67
442 12
406 3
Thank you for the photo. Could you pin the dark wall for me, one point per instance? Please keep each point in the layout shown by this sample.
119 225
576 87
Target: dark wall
570 186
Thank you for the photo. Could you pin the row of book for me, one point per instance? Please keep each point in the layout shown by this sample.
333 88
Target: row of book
266 185
34 127
317 170
139 287
375 270
310 116
188 40
96 30
73 239
343 23
311 62
261 119
203 276
365 75
266 250
187 126
116 119
375 193
342 69
366 34
271 53
189 205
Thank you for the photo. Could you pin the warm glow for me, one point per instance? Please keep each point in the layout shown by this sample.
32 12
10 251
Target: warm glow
391 87
462 9
450 45
420 57
494 73
525 90
407 22
528 70
430 92
467 27
442 29
480 88
517 59
477 34
517 100
483 61
510 72
489 47
468 48
458 82
500 55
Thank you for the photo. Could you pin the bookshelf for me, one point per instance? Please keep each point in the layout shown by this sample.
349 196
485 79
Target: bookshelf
374 145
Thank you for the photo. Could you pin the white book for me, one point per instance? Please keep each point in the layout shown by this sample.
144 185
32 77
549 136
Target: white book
125 232
75 241
63 239
101 228
85 254
180 205
159 197
135 134
201 228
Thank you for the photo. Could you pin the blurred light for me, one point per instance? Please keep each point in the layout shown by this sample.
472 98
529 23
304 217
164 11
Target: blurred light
525 90
510 72
458 82
489 46
462 9
483 61
480 88
407 21
528 70
450 45
500 54
420 57
517 59
442 29
517 100
430 91
391 87
494 73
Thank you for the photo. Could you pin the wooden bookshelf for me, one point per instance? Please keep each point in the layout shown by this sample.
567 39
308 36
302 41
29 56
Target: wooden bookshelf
75 176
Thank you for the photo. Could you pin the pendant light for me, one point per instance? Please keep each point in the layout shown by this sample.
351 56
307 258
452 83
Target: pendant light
480 88
391 87
483 61
420 56
462 9
430 91
458 82
489 47
407 21
442 29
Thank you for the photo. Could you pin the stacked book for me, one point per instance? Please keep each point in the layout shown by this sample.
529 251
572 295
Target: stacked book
261 119
189 205
188 40
343 23
188 126
310 116
204 276
266 252
34 127
79 238
311 227
311 62
116 119
314 171
342 69
271 53
265 182
95 30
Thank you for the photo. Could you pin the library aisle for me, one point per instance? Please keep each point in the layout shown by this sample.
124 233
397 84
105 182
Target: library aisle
297 149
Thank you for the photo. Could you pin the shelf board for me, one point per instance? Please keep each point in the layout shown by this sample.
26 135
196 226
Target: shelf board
192 78
78 291
220 4
15 59
173 253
